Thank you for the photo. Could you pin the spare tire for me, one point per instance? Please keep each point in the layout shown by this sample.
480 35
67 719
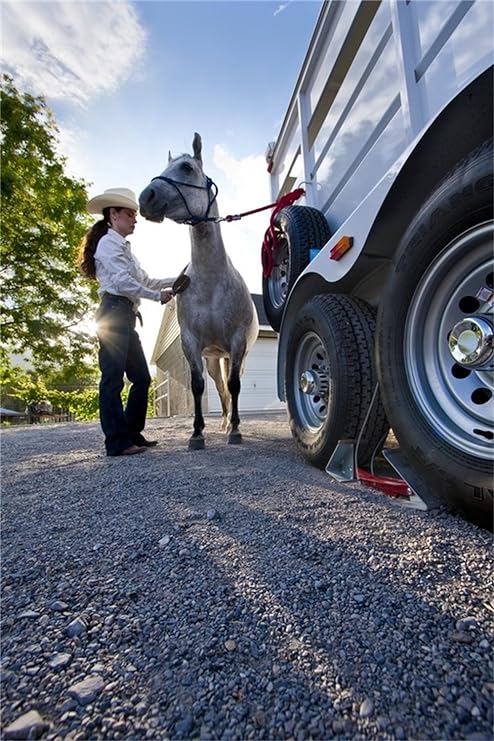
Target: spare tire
299 229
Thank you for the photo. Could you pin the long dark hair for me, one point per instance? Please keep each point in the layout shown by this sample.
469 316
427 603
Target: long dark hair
87 248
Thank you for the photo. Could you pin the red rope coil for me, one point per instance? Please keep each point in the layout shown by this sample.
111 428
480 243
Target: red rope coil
271 237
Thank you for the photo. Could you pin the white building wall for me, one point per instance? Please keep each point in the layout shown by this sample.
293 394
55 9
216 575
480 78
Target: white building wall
258 391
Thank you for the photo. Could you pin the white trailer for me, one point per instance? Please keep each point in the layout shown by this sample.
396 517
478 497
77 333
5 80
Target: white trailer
380 282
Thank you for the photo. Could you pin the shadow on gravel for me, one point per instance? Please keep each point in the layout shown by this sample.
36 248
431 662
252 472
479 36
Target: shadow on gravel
353 627
237 593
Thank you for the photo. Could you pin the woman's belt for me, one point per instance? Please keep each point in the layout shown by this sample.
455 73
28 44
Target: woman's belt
123 300
119 299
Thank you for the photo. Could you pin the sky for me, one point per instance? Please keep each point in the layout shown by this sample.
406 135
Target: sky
130 81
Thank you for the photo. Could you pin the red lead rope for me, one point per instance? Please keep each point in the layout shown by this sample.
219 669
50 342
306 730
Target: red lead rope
270 237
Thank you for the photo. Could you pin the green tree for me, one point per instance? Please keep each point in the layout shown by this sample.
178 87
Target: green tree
44 301
72 377
77 394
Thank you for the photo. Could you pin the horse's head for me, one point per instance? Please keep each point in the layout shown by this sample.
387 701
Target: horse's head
182 192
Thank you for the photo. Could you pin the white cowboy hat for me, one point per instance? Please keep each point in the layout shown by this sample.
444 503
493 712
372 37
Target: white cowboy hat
113 197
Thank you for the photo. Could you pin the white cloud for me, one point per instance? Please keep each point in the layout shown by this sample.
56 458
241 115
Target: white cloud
71 145
246 189
70 50
280 8
246 179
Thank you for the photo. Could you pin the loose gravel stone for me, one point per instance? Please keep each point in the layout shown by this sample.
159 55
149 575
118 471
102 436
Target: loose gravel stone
29 614
60 661
366 708
28 726
86 690
76 627
232 593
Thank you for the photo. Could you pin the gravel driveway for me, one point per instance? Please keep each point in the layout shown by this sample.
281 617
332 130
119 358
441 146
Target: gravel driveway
231 593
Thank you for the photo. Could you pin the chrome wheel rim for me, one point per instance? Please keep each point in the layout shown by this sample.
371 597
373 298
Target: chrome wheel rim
457 402
311 381
278 280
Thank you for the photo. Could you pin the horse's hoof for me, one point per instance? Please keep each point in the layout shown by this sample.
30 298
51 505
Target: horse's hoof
234 438
196 443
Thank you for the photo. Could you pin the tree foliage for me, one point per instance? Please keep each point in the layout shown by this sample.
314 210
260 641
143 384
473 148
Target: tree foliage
75 394
44 301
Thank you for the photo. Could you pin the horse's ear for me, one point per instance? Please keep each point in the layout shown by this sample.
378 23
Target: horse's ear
169 156
197 147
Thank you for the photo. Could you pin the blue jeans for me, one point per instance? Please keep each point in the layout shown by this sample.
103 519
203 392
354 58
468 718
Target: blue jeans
120 352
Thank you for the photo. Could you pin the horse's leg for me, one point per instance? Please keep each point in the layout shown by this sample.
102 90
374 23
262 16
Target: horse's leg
237 354
193 355
196 441
216 372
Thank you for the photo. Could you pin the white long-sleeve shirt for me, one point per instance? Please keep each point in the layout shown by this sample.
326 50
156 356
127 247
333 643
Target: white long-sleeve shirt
118 271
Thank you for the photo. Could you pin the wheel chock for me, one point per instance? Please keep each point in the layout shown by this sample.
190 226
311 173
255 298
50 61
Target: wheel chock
404 488
341 465
388 484
421 495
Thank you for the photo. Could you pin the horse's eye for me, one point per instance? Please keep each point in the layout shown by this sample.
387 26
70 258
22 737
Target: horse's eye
186 167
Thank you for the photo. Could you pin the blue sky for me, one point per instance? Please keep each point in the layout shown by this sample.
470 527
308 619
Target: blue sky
129 81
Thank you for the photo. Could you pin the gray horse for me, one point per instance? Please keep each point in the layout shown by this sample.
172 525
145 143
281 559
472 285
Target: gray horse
217 317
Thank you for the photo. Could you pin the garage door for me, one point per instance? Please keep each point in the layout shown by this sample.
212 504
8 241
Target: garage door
258 381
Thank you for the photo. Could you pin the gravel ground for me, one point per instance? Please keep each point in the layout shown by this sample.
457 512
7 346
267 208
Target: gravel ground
231 593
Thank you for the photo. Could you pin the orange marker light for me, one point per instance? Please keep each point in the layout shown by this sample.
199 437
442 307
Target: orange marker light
341 246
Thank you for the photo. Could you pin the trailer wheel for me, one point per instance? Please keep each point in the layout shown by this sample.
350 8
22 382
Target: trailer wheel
437 367
330 378
299 229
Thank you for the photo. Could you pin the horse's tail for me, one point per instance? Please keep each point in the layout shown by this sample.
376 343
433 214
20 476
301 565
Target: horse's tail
225 370
226 398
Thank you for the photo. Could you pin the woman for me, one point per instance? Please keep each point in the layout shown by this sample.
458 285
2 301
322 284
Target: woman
105 256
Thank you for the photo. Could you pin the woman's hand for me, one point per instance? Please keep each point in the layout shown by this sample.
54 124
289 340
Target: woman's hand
166 294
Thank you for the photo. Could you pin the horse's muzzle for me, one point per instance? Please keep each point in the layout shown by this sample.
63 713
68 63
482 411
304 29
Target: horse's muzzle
149 206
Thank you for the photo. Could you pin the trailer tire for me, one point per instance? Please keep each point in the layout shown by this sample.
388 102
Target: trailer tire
332 344
440 411
299 229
